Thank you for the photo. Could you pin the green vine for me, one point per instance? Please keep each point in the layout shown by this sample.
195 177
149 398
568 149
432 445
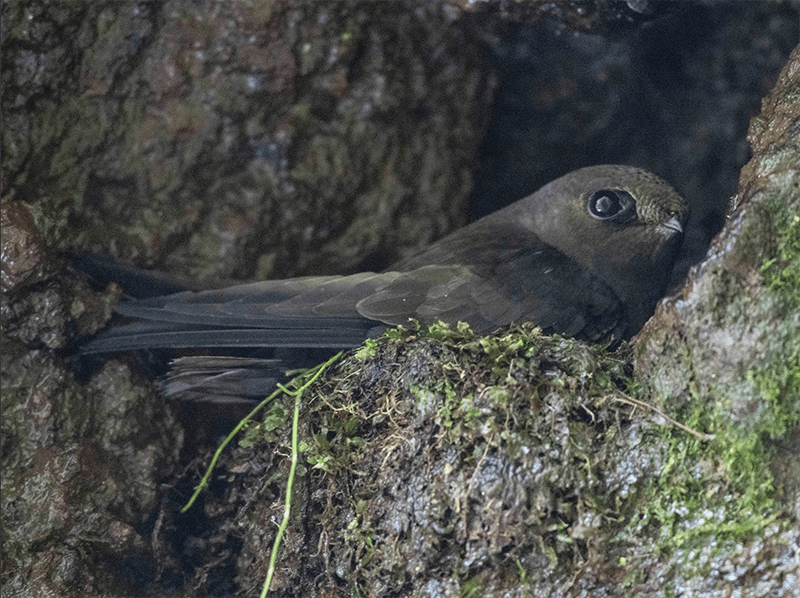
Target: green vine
299 384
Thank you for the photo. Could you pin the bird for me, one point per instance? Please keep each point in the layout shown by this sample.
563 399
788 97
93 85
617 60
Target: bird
587 256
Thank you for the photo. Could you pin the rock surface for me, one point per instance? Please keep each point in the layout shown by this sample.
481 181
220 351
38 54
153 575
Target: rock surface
239 141
434 463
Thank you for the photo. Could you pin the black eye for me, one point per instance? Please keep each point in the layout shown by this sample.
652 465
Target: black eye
612 204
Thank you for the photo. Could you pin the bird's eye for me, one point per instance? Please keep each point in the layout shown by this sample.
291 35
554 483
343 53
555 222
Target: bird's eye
612 204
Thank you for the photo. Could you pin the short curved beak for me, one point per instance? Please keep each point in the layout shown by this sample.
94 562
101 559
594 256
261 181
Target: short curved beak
674 224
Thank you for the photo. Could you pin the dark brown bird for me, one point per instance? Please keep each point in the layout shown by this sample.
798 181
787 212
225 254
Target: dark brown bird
587 255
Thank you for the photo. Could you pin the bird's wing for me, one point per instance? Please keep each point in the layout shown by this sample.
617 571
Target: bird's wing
538 284
312 312
535 284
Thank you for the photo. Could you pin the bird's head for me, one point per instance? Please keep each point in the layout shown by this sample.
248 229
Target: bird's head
624 223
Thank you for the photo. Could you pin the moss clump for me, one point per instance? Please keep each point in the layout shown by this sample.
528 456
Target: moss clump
517 450
536 458
782 273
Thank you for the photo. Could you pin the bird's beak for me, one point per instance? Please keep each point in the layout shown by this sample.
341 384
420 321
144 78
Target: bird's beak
674 224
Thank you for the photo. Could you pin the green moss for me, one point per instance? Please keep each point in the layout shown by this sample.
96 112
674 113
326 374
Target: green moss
367 350
558 408
779 385
472 588
713 496
534 398
782 273
709 493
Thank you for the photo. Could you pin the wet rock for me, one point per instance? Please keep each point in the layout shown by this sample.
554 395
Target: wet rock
726 348
238 141
81 460
247 141
21 252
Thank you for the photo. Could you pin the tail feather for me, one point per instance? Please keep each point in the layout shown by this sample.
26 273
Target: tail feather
222 379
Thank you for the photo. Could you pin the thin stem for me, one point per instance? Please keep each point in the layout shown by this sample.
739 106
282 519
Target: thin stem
287 508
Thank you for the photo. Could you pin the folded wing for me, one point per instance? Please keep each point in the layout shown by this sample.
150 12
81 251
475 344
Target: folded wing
537 284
